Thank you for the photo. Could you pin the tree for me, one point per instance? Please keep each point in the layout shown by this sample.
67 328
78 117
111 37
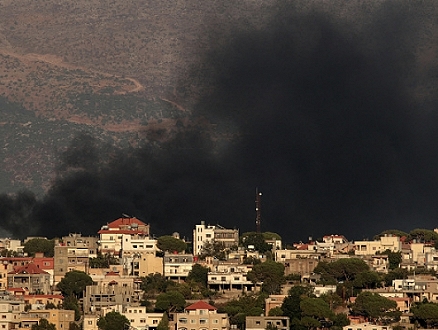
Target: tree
375 307
238 309
341 270
394 258
102 261
291 304
113 321
74 283
213 249
426 314
171 301
198 274
276 311
367 280
393 232
44 325
423 235
317 309
257 240
164 323
398 273
271 273
36 245
171 244
72 303
154 284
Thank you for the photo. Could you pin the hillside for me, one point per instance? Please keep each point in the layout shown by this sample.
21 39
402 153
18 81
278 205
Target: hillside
106 69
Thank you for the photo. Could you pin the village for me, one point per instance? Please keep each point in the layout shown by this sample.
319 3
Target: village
125 278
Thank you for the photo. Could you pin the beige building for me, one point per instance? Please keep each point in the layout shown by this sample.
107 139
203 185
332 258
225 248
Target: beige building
10 310
262 322
388 242
34 279
201 316
99 299
61 318
140 319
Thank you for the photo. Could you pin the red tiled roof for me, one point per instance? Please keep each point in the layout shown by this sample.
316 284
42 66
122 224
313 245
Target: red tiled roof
200 305
125 231
28 269
125 221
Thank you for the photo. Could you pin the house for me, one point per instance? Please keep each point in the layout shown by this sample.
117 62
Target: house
111 235
34 279
200 316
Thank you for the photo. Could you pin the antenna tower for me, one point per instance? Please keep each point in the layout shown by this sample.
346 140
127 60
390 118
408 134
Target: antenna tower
258 203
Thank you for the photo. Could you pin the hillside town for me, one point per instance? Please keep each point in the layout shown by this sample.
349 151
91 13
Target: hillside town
125 278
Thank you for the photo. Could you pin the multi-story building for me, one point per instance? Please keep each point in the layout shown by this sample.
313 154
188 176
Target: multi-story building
10 310
387 242
98 299
177 266
204 234
13 245
141 320
34 279
200 316
61 318
228 275
40 301
112 235
69 258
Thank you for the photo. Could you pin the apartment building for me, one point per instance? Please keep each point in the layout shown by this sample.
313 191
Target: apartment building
61 318
203 234
200 316
141 320
177 266
387 242
10 310
98 299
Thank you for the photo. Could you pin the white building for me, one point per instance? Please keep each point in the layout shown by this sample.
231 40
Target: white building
203 234
111 235
141 320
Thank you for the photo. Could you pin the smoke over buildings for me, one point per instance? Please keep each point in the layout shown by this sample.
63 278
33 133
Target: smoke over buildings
329 109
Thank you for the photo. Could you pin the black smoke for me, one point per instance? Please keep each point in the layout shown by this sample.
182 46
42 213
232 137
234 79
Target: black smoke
324 109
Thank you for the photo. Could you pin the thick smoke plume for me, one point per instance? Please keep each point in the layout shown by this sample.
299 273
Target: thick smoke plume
323 108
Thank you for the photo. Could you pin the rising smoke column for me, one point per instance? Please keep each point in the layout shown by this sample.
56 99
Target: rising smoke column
316 108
